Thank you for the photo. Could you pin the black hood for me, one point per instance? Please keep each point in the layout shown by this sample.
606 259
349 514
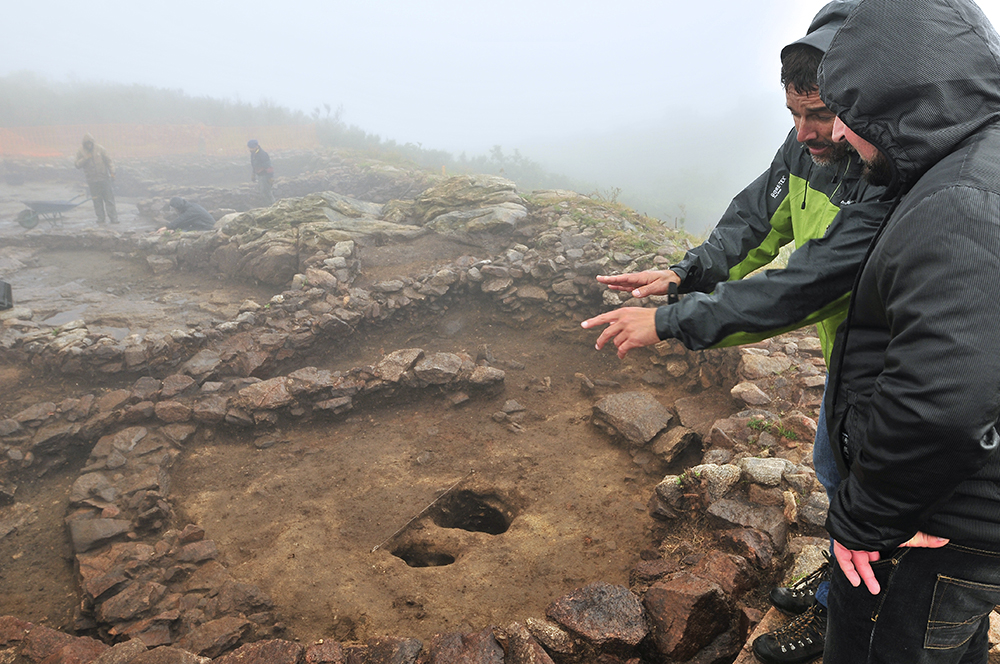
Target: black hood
178 203
913 78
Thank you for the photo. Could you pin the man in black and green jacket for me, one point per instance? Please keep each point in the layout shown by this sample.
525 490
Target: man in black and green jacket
814 195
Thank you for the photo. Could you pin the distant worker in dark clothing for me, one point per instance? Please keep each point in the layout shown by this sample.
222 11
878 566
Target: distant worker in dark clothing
262 172
190 217
100 172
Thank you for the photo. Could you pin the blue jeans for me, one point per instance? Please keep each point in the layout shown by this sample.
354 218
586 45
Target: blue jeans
828 475
934 608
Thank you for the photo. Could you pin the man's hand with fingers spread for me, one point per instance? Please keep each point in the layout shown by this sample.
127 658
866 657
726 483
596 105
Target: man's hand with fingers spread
630 327
642 284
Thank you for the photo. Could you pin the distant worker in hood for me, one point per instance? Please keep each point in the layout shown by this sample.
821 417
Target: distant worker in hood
914 394
190 217
261 171
100 173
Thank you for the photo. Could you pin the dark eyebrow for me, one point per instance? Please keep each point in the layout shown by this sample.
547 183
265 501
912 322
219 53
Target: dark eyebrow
812 110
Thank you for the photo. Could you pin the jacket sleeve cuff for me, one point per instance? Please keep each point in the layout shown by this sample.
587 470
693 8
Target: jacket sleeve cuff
663 327
862 536
681 271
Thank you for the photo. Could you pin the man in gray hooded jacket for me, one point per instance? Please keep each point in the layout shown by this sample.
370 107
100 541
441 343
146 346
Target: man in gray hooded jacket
914 394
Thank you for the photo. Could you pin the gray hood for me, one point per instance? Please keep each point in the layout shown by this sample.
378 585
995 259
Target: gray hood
824 25
913 78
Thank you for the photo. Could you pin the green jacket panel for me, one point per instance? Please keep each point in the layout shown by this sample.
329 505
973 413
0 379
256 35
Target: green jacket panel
829 212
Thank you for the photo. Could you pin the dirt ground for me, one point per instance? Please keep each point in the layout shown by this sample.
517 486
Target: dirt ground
531 512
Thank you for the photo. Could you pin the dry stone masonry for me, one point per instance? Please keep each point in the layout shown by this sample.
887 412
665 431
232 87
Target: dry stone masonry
154 590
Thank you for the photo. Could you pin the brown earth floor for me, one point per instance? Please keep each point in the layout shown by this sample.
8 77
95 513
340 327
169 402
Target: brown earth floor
300 518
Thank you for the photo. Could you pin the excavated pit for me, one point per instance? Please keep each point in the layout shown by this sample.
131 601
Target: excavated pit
474 512
544 501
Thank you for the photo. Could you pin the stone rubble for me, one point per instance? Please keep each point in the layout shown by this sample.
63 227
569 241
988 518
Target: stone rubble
156 589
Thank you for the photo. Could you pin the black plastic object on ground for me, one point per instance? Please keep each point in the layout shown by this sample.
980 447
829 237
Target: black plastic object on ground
6 297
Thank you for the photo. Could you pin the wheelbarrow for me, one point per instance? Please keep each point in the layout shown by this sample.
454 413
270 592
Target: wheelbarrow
51 211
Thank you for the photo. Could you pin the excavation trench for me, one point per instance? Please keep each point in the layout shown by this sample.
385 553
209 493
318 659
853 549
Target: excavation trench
552 503
541 501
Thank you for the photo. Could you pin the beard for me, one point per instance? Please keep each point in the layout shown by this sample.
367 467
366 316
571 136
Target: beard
878 171
836 153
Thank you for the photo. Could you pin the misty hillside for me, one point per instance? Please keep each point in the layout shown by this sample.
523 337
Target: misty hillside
674 169
27 100
683 166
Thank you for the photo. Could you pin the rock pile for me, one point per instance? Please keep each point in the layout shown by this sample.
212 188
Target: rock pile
159 583
310 245
156 588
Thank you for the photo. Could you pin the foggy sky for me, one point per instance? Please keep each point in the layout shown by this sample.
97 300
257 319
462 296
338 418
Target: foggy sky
448 74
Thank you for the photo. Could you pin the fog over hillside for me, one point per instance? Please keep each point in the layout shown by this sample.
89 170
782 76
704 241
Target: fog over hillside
677 105
683 168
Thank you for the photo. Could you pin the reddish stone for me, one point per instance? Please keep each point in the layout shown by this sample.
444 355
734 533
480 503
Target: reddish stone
167 655
475 648
134 600
687 613
139 412
12 629
760 495
191 533
95 586
733 573
216 636
151 632
196 552
727 433
752 544
42 642
803 426
80 651
328 652
522 648
211 409
274 651
145 388
602 613
173 411
234 597
112 400
174 385
266 395
651 571
210 575
386 649
122 653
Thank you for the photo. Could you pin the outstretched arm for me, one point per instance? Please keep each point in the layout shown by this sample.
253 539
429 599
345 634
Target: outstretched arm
642 284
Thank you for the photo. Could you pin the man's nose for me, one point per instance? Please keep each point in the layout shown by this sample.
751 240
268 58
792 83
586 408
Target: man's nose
838 130
806 132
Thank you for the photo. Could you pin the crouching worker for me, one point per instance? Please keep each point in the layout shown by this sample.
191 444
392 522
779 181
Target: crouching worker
190 217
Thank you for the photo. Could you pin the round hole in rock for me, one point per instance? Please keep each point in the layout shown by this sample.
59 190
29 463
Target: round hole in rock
417 555
471 511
